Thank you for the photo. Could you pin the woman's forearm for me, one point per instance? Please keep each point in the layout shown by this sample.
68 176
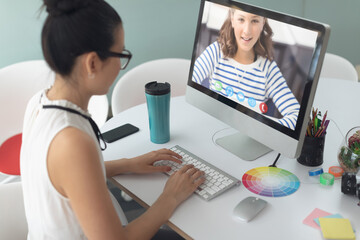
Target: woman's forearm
116 167
152 219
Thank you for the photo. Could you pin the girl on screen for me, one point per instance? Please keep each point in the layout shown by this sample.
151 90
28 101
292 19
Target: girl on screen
240 65
62 168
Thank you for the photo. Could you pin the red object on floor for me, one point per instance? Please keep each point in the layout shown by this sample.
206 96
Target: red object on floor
10 155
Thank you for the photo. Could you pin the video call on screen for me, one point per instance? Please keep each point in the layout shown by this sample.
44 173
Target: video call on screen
293 49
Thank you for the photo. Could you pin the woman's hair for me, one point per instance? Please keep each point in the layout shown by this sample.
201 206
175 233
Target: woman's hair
75 27
263 47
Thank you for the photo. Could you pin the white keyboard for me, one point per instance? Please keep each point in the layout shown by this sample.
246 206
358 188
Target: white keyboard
216 182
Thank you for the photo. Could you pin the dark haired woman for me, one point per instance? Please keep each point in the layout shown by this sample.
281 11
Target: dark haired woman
240 66
63 172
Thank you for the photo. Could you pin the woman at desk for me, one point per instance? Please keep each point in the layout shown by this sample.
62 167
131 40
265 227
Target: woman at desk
63 172
240 66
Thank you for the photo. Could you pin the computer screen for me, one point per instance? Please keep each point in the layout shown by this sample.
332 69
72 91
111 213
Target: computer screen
257 70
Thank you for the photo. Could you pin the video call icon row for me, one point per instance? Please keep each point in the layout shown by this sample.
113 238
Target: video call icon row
240 96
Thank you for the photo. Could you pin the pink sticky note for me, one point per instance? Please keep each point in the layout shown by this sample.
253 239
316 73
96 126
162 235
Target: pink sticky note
316 213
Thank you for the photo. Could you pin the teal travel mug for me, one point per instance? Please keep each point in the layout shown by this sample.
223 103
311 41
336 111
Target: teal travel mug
158 104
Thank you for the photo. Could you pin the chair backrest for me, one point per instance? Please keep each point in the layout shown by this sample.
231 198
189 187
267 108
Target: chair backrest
130 88
19 82
335 66
13 223
99 109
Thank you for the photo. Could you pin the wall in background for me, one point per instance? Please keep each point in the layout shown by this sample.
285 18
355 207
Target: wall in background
160 29
20 27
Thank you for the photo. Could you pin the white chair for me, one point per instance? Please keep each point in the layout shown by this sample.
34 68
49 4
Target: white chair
335 66
357 67
13 223
130 88
99 109
18 83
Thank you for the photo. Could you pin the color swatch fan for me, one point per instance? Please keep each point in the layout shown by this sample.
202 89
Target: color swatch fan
270 181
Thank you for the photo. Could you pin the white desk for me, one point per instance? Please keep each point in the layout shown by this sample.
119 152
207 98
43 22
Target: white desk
282 218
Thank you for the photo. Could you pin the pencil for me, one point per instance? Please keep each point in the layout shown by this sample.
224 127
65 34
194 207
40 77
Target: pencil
319 132
324 118
308 130
326 124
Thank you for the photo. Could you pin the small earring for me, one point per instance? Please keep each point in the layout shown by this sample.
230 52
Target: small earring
91 76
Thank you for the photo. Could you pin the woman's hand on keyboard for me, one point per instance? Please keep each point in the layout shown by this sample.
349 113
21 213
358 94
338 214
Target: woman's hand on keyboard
145 163
182 183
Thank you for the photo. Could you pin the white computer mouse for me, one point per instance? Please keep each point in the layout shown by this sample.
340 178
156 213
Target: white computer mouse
248 208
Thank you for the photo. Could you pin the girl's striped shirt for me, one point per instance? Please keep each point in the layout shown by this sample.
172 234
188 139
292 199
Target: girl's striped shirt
250 85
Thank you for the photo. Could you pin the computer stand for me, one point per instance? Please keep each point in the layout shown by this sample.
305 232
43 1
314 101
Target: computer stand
242 146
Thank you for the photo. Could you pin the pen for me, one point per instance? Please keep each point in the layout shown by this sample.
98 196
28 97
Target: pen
316 124
316 121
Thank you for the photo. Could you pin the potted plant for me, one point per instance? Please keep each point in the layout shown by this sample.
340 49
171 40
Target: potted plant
349 151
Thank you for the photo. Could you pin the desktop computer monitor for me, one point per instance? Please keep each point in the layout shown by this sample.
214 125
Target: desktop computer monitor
256 70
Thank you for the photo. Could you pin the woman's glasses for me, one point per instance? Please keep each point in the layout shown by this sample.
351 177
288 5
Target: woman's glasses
125 56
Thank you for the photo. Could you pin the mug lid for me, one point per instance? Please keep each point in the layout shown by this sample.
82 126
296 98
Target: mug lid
155 88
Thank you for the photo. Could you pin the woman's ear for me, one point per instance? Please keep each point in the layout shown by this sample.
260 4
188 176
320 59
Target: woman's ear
92 64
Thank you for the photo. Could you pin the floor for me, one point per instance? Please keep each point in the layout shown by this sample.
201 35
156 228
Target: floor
133 210
2 177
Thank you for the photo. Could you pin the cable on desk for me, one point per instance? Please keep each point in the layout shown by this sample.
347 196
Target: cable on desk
274 163
337 126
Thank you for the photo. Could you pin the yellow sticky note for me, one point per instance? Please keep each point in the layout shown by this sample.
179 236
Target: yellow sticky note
337 228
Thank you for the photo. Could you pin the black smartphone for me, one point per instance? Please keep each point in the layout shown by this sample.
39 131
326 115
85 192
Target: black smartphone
119 132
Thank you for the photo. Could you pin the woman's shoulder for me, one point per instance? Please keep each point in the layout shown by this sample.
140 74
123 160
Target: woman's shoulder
35 99
72 136
32 106
63 148
265 64
215 47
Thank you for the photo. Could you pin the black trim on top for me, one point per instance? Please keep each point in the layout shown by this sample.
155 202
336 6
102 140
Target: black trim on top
92 122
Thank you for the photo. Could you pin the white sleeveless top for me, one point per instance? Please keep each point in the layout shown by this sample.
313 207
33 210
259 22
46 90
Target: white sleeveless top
48 213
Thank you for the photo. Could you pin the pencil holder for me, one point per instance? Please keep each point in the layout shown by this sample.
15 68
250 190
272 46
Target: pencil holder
313 151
